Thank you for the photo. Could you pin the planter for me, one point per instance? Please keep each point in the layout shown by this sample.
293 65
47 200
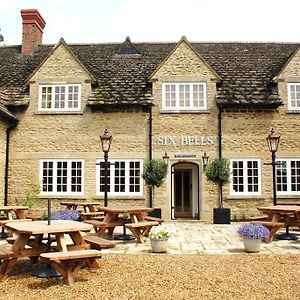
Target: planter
221 215
252 245
159 245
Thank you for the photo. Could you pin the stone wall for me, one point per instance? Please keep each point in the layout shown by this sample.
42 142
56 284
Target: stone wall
2 160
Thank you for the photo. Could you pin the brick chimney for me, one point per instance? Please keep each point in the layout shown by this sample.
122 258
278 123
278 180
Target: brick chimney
33 25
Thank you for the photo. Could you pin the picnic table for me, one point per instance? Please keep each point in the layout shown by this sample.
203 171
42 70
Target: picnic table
67 259
10 209
136 222
280 216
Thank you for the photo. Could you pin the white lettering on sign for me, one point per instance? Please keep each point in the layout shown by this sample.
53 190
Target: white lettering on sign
185 140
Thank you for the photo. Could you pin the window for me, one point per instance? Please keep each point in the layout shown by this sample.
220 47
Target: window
288 176
124 177
62 177
294 96
245 177
59 97
184 96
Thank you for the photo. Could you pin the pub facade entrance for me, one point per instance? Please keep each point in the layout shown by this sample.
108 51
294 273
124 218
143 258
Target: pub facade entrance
185 191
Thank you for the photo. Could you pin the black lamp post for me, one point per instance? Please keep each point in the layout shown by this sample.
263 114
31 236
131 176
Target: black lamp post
205 158
106 139
273 141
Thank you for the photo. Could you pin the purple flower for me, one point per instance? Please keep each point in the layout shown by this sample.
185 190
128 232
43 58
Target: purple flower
72 215
253 231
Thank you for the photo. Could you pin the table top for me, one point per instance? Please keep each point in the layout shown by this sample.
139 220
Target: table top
125 209
12 207
280 208
42 227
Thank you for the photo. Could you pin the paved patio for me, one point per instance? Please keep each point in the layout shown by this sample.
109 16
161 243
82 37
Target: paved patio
196 237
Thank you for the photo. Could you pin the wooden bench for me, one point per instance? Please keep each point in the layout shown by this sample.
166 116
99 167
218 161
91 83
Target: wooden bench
99 243
149 218
90 215
5 253
272 226
11 240
259 218
141 229
69 262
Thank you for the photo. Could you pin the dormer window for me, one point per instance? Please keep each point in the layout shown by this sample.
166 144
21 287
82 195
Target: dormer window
294 96
59 97
184 96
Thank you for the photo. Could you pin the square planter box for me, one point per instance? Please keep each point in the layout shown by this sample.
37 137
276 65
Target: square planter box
221 215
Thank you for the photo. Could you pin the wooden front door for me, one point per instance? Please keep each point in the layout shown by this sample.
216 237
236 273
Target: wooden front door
183 193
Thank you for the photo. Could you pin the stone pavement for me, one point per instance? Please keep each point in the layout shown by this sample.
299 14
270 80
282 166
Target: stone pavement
196 237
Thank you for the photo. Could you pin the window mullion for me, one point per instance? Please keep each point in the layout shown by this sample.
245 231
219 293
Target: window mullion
127 172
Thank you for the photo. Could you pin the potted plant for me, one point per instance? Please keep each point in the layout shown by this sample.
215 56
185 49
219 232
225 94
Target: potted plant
252 234
159 237
218 172
154 174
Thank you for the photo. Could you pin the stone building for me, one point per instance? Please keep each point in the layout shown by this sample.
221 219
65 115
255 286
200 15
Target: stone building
182 98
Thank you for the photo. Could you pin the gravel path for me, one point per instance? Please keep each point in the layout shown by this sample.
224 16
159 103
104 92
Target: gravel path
163 276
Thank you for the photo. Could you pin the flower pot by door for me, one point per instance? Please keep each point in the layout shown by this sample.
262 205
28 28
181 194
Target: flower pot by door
159 245
252 245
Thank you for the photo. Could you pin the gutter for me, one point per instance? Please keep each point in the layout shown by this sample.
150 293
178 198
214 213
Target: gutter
220 107
8 130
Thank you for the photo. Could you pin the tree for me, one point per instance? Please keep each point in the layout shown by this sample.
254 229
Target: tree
154 173
218 172
1 37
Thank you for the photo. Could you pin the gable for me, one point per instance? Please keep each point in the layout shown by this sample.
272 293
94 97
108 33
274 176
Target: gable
291 67
61 63
184 61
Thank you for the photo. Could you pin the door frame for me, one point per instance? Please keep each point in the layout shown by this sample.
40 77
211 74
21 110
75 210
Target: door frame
194 172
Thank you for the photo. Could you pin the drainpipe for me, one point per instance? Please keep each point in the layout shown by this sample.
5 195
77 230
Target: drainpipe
150 151
220 149
220 130
8 130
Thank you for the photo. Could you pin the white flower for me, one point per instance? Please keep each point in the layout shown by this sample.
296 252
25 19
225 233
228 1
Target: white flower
159 232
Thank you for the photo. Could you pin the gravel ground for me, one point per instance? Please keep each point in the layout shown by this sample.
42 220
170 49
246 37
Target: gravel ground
163 276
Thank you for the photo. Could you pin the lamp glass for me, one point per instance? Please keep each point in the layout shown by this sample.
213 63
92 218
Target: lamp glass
106 139
273 141
166 158
205 158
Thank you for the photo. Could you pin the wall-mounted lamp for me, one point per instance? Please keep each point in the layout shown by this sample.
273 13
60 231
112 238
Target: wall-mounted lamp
205 161
166 158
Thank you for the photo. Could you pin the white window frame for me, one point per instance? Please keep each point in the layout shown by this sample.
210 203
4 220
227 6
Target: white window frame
53 108
69 177
288 176
245 177
178 107
111 178
290 107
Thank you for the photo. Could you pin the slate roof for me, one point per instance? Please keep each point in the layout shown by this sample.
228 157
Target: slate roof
122 70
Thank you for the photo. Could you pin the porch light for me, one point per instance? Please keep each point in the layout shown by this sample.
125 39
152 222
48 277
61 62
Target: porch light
205 158
166 158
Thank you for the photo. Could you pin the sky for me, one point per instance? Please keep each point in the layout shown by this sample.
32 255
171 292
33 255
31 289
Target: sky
105 21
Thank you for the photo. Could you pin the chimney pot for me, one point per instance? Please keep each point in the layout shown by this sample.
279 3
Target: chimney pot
33 25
